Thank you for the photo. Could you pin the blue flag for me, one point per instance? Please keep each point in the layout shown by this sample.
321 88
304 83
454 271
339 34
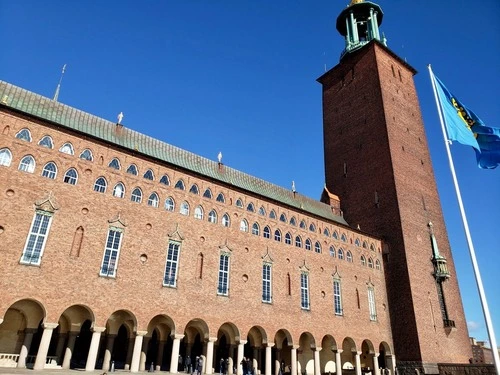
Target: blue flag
462 125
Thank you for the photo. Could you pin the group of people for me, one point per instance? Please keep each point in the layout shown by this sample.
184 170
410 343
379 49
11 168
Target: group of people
194 367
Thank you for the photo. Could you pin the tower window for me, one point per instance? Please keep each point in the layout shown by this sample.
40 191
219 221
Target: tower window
171 264
304 291
266 283
223 283
35 243
111 253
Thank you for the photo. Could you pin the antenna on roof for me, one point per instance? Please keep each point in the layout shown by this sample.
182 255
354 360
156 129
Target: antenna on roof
293 186
120 118
219 157
56 95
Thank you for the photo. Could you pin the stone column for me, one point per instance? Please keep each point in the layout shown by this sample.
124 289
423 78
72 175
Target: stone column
240 357
255 359
159 357
277 361
338 361
210 355
60 346
376 370
130 352
390 361
269 356
317 363
294 359
230 358
174 360
41 357
94 348
68 353
25 349
358 362
136 354
144 352
110 342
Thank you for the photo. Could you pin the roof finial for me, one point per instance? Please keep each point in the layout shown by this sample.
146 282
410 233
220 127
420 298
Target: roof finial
120 118
219 157
58 88
293 186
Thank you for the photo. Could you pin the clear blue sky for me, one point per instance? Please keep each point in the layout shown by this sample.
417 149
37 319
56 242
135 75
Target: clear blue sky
240 77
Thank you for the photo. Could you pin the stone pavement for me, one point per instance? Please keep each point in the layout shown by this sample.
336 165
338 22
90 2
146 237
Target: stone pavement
25 371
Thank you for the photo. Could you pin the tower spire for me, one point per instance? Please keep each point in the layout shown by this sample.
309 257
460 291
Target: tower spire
58 88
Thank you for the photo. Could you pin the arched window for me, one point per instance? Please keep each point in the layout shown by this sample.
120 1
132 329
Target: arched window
153 200
226 222
220 198
335 235
357 242
115 164
67 148
370 263
212 217
100 185
365 245
184 210
340 254
198 213
349 256
255 229
5 157
132 169
298 241
372 247
308 244
24 134
262 211
343 238
363 260
49 170
169 204
288 238
277 235
149 175
71 176
119 190
317 247
332 251
180 185
136 195
207 194
243 225
266 233
47 142
312 228
164 180
87 155
303 224
250 207
272 215
239 203
293 221
194 189
27 164
283 218
326 232
377 265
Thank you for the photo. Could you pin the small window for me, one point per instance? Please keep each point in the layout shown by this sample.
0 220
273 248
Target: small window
132 169
243 225
226 222
27 164
169 204
149 175
164 180
46 142
363 260
180 185
303 224
326 232
49 170
293 221
198 213
288 239
67 148
220 198
207 194
87 155
335 235
212 217
100 185
343 238
308 244
255 229
153 200
5 157
194 189
370 263
262 211
365 245
250 207
239 203
298 241
340 254
349 256
136 195
272 215
317 247
357 242
312 228
283 218
24 134
119 190
115 164
184 210
332 251
71 176
372 247
377 265
277 235
266 233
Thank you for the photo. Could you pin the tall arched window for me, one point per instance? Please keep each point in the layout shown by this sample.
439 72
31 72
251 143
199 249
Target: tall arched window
332 251
349 256
226 222
198 213
340 254
363 260
288 238
212 217
184 210
243 225
169 204
317 247
255 229
153 200
119 190
298 241
136 195
100 185
308 244
266 233
71 176
49 170
27 164
277 235
5 157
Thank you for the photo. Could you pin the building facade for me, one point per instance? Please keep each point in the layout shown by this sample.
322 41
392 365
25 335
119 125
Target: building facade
119 250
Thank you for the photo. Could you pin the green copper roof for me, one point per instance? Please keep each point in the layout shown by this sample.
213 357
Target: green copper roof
44 108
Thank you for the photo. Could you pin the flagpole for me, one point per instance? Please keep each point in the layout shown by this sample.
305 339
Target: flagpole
479 283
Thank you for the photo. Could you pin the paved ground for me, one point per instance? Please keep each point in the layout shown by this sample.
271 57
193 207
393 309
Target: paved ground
16 371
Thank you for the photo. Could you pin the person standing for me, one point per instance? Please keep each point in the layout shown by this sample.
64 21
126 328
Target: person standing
188 364
200 365
222 369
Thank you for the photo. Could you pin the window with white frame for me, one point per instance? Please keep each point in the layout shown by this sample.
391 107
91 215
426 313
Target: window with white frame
184 210
225 220
348 256
164 180
136 195
266 232
67 148
308 244
153 200
198 213
317 247
304 291
243 225
115 164
298 241
288 238
49 170
212 217
266 282
100 185
179 185
223 283
5 157
169 204
27 164
35 242
220 198
371 303
119 190
172 263
255 229
194 189
207 194
332 251
87 155
337 297
149 175
111 252
46 141
340 254
277 235
71 176
24 134
132 169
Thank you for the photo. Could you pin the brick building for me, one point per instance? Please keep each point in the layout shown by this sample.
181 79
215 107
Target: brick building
119 249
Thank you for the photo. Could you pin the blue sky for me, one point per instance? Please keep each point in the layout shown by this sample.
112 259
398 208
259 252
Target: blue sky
240 77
